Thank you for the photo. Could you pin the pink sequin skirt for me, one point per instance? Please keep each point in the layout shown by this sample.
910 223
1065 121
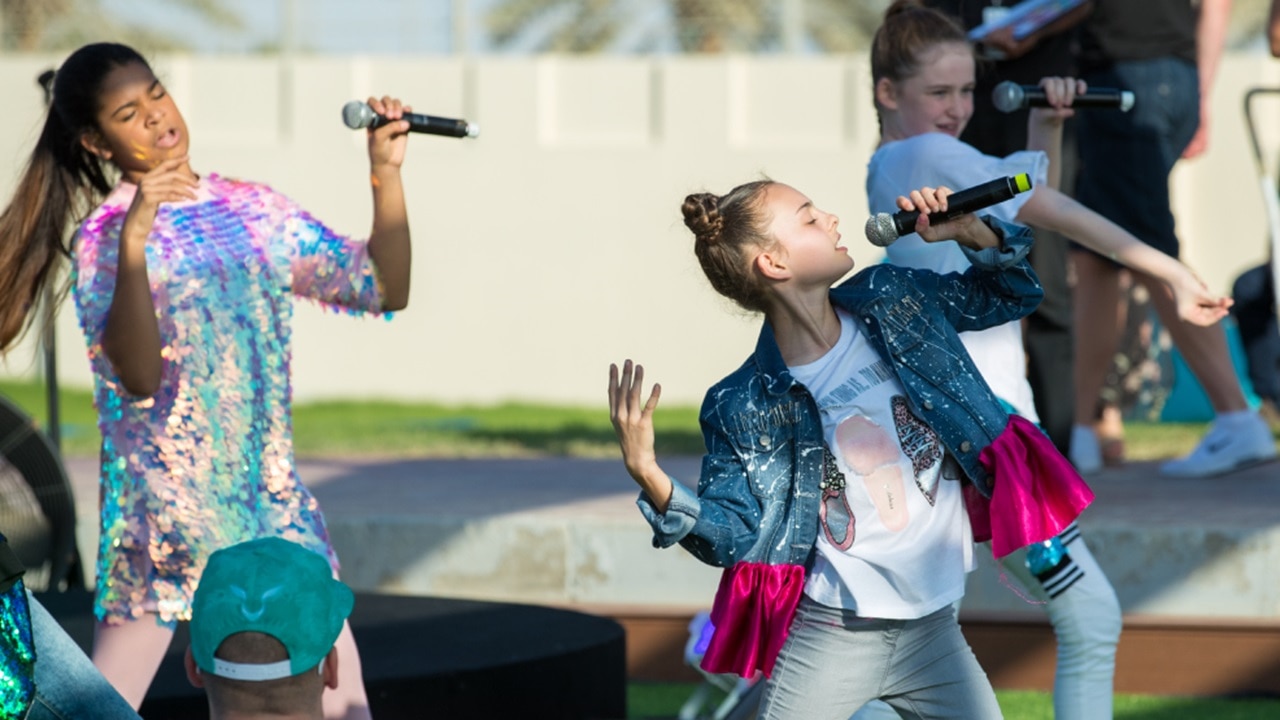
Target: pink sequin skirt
1036 492
752 614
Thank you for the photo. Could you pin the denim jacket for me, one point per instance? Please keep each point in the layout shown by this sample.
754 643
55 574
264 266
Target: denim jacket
758 494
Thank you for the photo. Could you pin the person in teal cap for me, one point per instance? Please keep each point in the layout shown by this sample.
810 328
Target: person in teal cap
264 621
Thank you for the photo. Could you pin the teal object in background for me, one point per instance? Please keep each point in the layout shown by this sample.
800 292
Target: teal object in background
1187 401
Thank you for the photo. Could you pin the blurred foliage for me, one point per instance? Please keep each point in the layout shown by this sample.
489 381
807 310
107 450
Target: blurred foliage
50 25
698 26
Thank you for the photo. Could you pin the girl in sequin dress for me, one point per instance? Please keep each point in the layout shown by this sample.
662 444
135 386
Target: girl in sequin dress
183 285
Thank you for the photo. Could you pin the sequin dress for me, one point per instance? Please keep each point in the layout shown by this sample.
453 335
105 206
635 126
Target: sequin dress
207 461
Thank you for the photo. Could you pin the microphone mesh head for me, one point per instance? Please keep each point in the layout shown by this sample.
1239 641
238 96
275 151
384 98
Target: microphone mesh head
880 230
1007 96
356 115
473 130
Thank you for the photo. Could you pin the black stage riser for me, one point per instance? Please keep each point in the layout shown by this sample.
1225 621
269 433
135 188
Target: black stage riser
438 658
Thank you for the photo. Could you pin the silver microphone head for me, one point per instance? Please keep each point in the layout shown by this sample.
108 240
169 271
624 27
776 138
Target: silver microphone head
880 229
356 115
1008 96
1126 100
473 130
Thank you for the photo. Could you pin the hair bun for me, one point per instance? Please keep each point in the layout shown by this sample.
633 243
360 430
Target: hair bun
702 216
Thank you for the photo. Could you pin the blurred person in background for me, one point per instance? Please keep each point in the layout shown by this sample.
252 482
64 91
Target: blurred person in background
1166 52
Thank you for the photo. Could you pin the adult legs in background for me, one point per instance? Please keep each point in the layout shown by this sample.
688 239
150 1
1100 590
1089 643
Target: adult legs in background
1137 149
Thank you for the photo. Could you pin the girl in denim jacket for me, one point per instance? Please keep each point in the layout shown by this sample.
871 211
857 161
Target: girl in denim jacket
852 459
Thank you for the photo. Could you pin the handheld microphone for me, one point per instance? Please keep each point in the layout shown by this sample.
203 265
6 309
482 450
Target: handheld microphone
356 115
882 229
1009 96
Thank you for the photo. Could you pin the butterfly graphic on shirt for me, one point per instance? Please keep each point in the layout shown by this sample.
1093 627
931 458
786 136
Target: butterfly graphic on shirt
920 444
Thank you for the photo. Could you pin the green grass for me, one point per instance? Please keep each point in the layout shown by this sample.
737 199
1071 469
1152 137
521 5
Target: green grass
663 700
389 429
379 428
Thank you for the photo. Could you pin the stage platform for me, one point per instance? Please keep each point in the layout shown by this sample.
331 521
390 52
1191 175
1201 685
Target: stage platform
1187 557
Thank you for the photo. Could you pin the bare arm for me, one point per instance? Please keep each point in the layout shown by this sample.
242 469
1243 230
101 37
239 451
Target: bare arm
1273 28
389 244
131 338
1211 36
1047 208
1044 125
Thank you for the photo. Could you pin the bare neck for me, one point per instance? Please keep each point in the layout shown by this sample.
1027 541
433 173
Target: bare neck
805 326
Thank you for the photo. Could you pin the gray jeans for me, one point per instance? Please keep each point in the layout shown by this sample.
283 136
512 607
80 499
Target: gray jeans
834 661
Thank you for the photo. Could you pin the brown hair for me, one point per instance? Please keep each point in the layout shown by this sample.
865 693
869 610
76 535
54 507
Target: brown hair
726 228
60 179
908 30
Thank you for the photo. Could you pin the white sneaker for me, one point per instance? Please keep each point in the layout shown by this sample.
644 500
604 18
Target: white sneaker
1224 449
1084 452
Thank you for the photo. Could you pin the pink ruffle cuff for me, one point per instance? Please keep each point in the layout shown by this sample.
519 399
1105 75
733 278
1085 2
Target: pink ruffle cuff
1036 492
752 614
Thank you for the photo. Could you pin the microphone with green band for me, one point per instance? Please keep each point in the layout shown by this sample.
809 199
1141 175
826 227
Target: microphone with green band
883 228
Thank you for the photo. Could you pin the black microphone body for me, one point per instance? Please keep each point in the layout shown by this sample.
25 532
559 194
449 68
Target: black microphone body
356 115
1009 97
883 228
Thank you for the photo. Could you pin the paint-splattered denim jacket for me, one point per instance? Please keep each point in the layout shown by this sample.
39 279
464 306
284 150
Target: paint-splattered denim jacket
758 495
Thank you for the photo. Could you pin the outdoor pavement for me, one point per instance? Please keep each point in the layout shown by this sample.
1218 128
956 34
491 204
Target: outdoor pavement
566 532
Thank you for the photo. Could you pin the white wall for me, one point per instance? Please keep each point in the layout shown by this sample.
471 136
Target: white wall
553 245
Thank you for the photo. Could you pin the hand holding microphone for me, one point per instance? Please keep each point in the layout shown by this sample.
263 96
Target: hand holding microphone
882 229
357 115
1010 96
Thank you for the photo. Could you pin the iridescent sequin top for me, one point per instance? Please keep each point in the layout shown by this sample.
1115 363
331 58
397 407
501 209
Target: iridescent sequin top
208 460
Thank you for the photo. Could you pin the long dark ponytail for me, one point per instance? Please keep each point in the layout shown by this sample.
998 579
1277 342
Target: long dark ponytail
61 179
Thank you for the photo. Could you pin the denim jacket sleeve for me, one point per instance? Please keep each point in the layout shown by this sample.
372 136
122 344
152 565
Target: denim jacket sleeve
719 524
1000 287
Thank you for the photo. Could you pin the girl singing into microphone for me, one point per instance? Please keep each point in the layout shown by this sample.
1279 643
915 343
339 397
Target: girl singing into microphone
923 72
851 459
182 283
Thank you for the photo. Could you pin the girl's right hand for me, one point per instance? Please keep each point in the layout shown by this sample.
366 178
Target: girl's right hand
633 422
967 229
1061 93
170 181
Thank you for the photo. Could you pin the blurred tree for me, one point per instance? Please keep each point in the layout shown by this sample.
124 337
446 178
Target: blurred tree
44 25
707 26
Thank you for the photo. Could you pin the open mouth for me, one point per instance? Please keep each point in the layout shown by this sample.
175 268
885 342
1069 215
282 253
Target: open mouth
169 139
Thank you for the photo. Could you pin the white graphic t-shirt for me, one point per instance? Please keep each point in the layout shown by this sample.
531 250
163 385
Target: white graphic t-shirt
894 539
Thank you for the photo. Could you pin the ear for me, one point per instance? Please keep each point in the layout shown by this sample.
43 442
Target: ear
886 94
93 141
772 264
193 672
331 668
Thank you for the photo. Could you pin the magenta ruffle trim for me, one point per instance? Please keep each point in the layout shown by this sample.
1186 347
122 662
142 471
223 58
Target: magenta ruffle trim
1036 492
752 614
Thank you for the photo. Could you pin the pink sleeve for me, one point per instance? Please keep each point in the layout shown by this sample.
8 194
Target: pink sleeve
95 252
320 264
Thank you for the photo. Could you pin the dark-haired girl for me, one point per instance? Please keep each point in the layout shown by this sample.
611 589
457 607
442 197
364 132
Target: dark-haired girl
183 284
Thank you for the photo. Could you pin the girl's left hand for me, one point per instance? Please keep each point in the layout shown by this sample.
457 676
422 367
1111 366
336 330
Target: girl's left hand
387 143
1196 305
1061 92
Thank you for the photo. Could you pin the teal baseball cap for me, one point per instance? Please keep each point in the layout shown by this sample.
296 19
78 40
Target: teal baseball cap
272 586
